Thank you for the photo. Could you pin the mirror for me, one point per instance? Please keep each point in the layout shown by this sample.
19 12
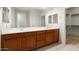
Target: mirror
53 19
50 19
18 17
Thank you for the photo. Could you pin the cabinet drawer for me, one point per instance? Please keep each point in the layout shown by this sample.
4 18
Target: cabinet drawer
8 36
21 34
31 33
54 30
48 31
40 32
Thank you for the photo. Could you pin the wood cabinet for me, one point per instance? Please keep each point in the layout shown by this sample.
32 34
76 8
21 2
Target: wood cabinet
56 35
41 41
28 40
49 37
52 36
10 43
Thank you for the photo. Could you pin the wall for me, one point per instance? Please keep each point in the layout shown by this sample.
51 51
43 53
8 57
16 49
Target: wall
61 21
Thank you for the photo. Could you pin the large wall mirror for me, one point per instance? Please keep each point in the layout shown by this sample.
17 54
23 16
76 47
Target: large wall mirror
18 17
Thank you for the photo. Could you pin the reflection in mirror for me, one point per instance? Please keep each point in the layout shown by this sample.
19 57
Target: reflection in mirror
50 19
18 17
55 18
21 19
42 20
5 15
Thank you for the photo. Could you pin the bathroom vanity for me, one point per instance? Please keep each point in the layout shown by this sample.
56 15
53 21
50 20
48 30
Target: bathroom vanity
28 30
30 40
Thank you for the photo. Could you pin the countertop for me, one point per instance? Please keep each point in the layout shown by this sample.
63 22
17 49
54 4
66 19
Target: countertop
28 29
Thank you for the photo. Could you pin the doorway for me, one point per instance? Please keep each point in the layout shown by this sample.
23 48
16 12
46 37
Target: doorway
72 25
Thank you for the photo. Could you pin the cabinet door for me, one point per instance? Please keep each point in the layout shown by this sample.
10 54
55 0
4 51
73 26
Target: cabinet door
49 37
56 35
41 41
11 44
52 36
28 43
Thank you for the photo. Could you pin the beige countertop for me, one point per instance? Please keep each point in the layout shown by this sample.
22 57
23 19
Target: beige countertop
28 29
